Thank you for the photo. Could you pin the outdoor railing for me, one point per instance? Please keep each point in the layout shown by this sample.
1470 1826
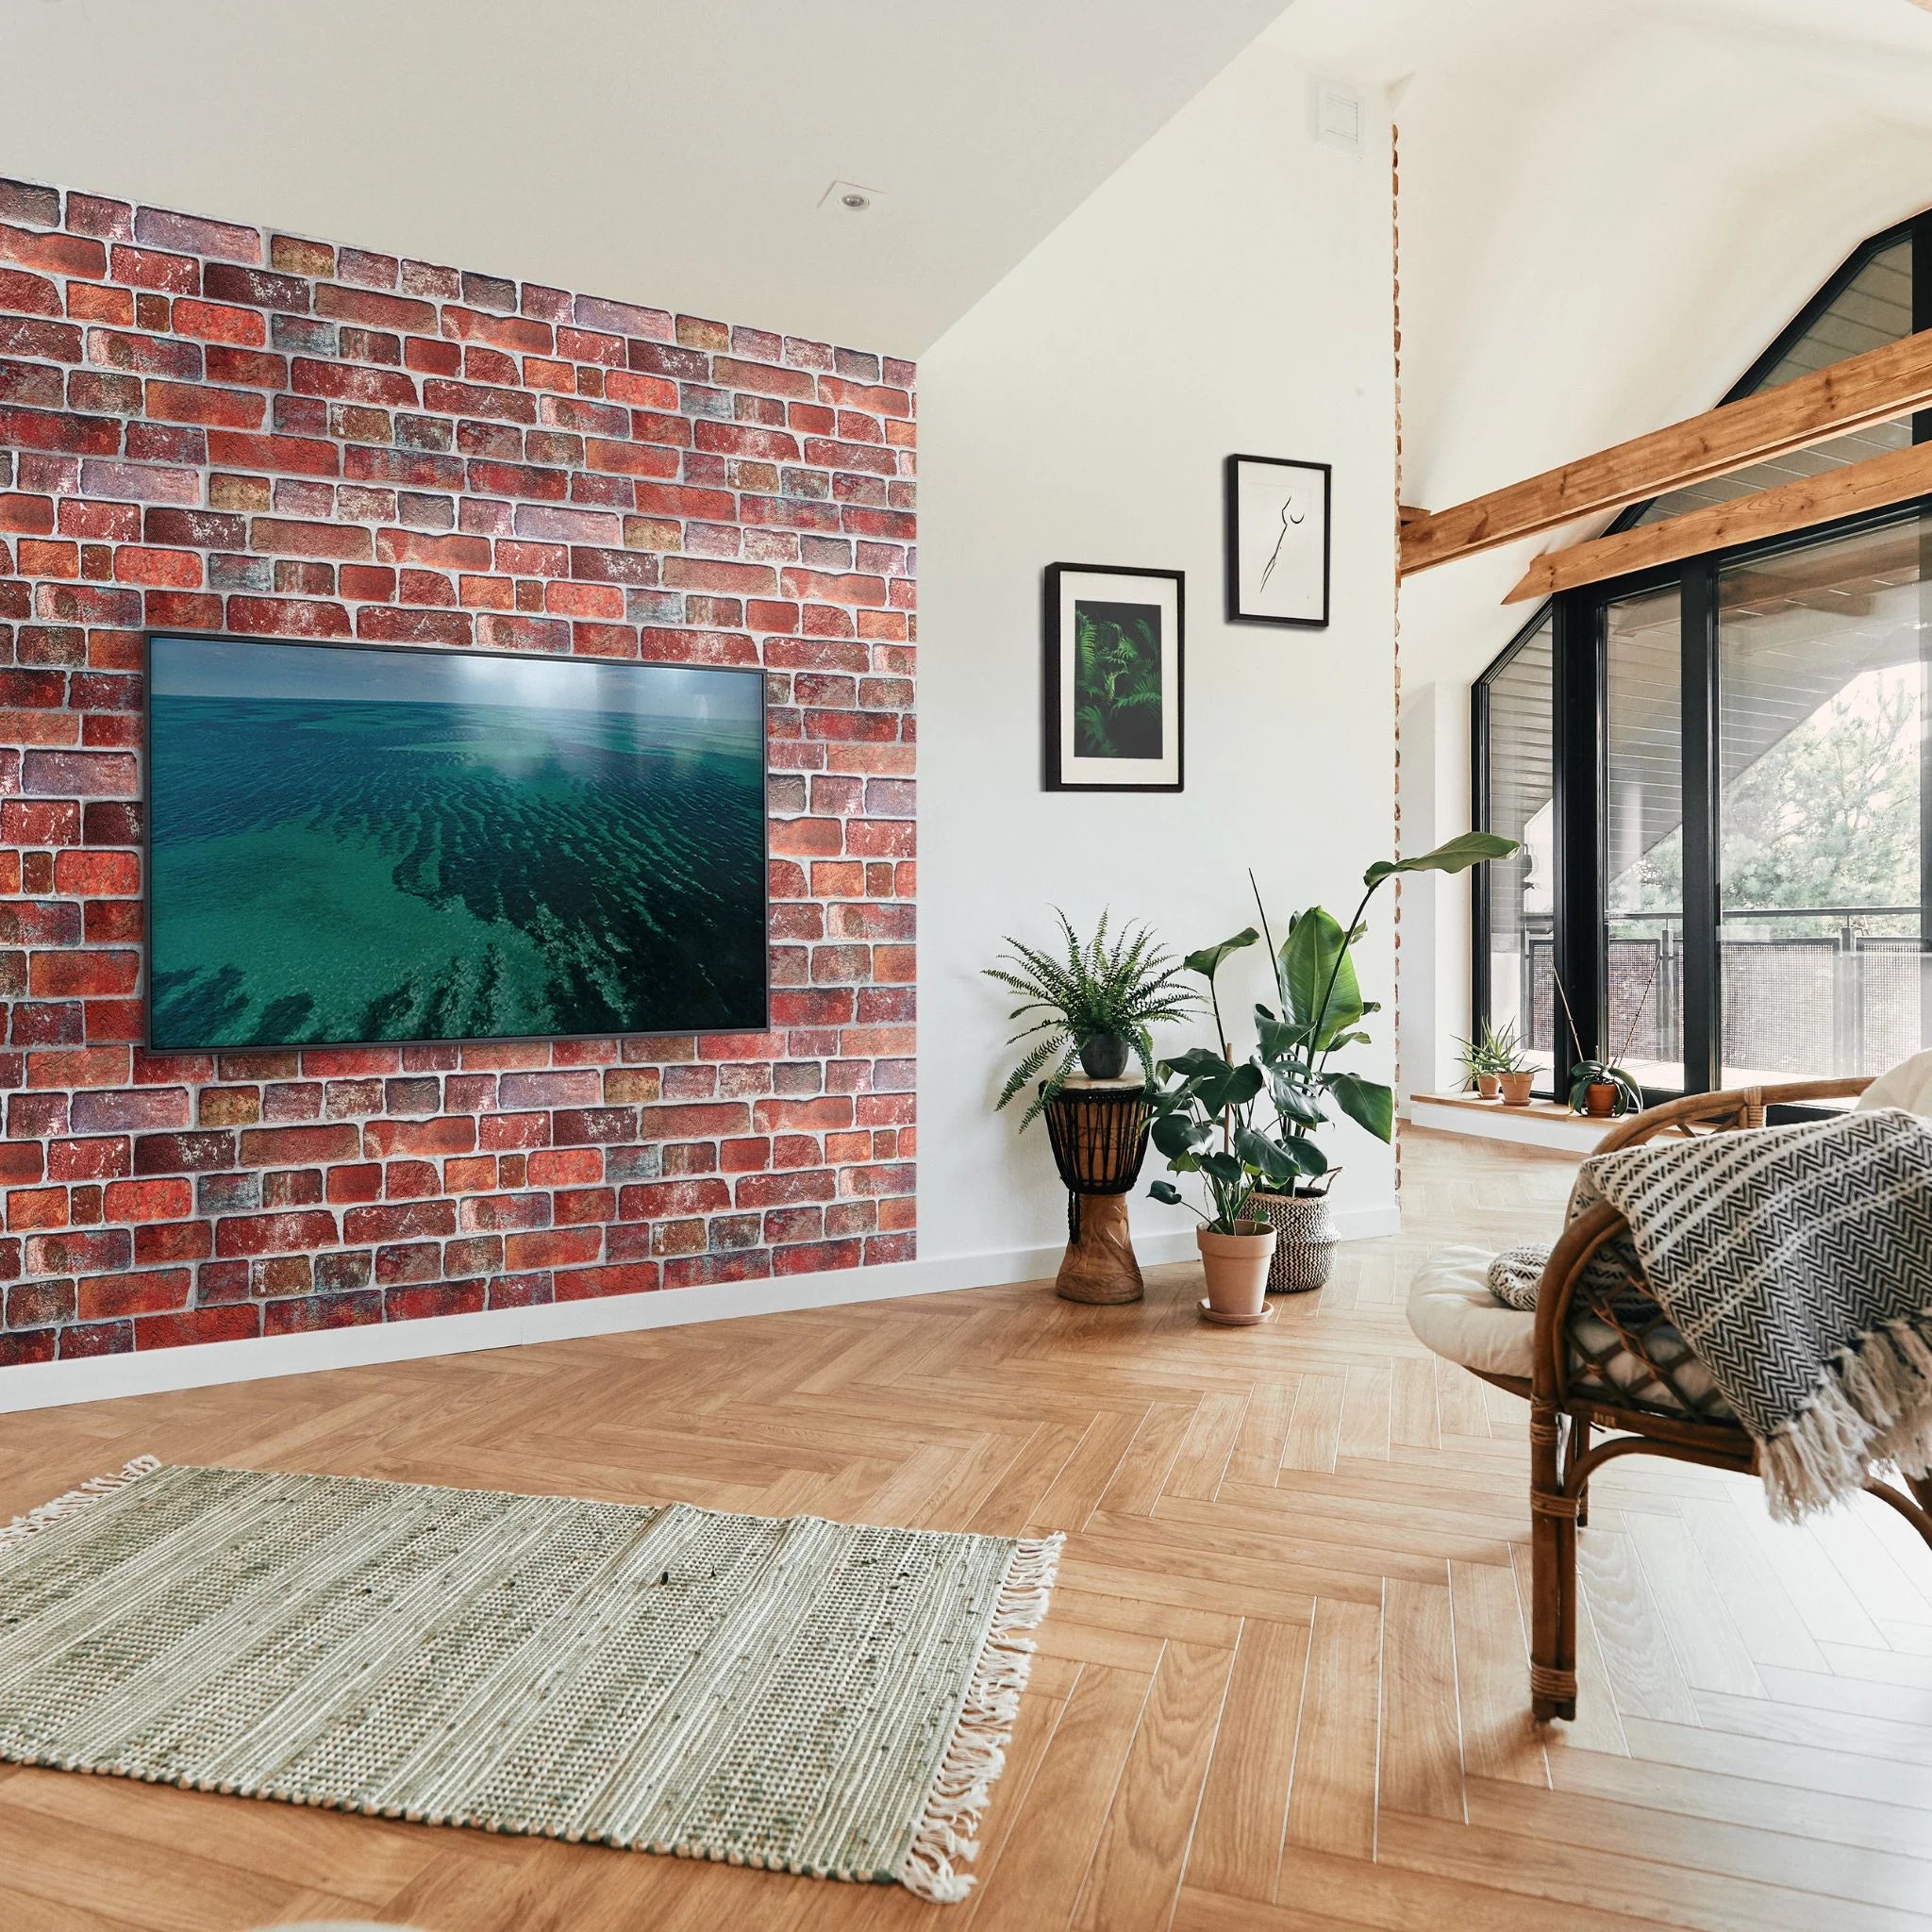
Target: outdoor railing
1802 989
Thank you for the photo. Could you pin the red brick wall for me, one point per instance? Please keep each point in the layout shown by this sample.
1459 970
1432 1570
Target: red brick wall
212 427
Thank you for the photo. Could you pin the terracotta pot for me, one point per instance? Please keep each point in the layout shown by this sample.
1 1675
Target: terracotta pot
1516 1088
1600 1099
1305 1239
1486 1086
1236 1266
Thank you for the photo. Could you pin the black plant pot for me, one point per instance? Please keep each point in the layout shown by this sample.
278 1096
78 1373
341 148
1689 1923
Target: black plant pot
1104 1055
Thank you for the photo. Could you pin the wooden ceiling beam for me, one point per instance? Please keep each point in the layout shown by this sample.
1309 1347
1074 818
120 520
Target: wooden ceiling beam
1876 483
1875 387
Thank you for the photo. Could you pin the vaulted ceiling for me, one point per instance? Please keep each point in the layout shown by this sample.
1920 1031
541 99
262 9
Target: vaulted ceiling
1609 208
673 152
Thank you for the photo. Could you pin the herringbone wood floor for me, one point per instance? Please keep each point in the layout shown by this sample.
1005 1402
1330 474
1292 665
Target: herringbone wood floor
1282 1687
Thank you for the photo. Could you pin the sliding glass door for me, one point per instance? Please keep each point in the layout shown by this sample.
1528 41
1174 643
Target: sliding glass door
1722 778
1642 939
1516 904
1822 662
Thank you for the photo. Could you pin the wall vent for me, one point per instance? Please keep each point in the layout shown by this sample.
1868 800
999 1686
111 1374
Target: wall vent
1337 114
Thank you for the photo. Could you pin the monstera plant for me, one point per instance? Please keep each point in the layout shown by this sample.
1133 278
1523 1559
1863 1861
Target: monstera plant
1210 1120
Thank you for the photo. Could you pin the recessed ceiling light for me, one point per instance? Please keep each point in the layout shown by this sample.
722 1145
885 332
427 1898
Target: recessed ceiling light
851 198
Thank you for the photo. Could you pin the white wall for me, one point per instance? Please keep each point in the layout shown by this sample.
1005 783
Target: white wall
1227 289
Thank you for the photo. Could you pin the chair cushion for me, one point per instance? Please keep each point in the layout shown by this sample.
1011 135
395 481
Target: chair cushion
1454 1315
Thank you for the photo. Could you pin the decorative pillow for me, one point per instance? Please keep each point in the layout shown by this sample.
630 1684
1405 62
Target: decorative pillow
1516 1272
1514 1275
1908 1085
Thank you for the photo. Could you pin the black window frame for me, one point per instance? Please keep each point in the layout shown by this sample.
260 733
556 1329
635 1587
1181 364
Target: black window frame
1578 766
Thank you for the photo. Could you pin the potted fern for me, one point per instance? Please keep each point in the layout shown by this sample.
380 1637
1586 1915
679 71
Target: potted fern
1091 1005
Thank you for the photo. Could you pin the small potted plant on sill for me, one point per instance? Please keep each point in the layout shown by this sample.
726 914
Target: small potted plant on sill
1605 1089
1095 1007
1472 1056
1485 1060
1514 1072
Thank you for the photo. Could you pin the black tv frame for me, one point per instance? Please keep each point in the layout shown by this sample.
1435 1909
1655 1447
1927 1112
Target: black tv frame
147 1004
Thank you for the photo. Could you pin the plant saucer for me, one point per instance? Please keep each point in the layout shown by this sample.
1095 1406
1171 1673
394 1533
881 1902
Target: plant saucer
1221 1321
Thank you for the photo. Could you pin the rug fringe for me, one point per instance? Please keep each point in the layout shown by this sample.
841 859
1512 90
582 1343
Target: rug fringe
75 1500
947 1828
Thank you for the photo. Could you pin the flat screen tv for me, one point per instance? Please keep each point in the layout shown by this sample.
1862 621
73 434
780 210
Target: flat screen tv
349 844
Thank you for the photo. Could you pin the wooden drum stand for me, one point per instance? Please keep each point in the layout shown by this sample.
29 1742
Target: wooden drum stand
1098 1129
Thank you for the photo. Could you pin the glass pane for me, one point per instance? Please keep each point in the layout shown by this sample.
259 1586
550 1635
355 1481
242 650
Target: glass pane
1518 889
1643 841
1873 307
1822 656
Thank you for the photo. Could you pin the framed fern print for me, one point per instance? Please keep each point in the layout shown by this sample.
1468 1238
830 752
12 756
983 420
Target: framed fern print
1115 701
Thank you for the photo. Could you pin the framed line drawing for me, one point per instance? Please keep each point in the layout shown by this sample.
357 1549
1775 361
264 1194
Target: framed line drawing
1277 542
1115 669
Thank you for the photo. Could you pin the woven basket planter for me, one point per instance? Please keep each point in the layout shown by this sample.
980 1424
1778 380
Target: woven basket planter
1305 1239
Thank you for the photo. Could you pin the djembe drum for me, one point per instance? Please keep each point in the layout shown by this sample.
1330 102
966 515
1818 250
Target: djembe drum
1098 1129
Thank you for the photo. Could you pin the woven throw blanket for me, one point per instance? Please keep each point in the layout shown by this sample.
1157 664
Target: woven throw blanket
1797 1264
794 1694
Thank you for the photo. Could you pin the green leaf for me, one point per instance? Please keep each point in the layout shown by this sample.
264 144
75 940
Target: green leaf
1367 1103
1176 1133
1198 1063
1314 959
1306 1154
1453 855
1269 1159
1223 1167
1279 1039
1295 1101
1038 1058
1239 1088
1206 962
1167 1193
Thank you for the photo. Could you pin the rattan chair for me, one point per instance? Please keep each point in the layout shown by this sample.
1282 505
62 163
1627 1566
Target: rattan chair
1608 1359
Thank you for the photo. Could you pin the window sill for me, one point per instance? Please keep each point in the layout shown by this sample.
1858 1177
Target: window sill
1541 1124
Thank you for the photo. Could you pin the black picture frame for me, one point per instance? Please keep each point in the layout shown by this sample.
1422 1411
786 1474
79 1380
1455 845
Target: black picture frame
1238 610
1061 584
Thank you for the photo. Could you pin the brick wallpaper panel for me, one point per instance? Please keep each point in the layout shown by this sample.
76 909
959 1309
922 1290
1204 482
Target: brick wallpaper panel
212 427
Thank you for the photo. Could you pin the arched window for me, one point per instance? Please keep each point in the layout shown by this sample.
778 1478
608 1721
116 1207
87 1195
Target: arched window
1721 772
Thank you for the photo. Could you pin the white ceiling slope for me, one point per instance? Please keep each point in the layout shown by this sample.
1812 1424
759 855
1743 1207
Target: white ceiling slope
670 152
1609 208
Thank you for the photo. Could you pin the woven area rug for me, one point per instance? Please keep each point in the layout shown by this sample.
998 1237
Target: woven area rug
798 1695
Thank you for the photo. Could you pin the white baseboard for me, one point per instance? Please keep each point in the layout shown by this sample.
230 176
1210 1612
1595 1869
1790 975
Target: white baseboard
201 1365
